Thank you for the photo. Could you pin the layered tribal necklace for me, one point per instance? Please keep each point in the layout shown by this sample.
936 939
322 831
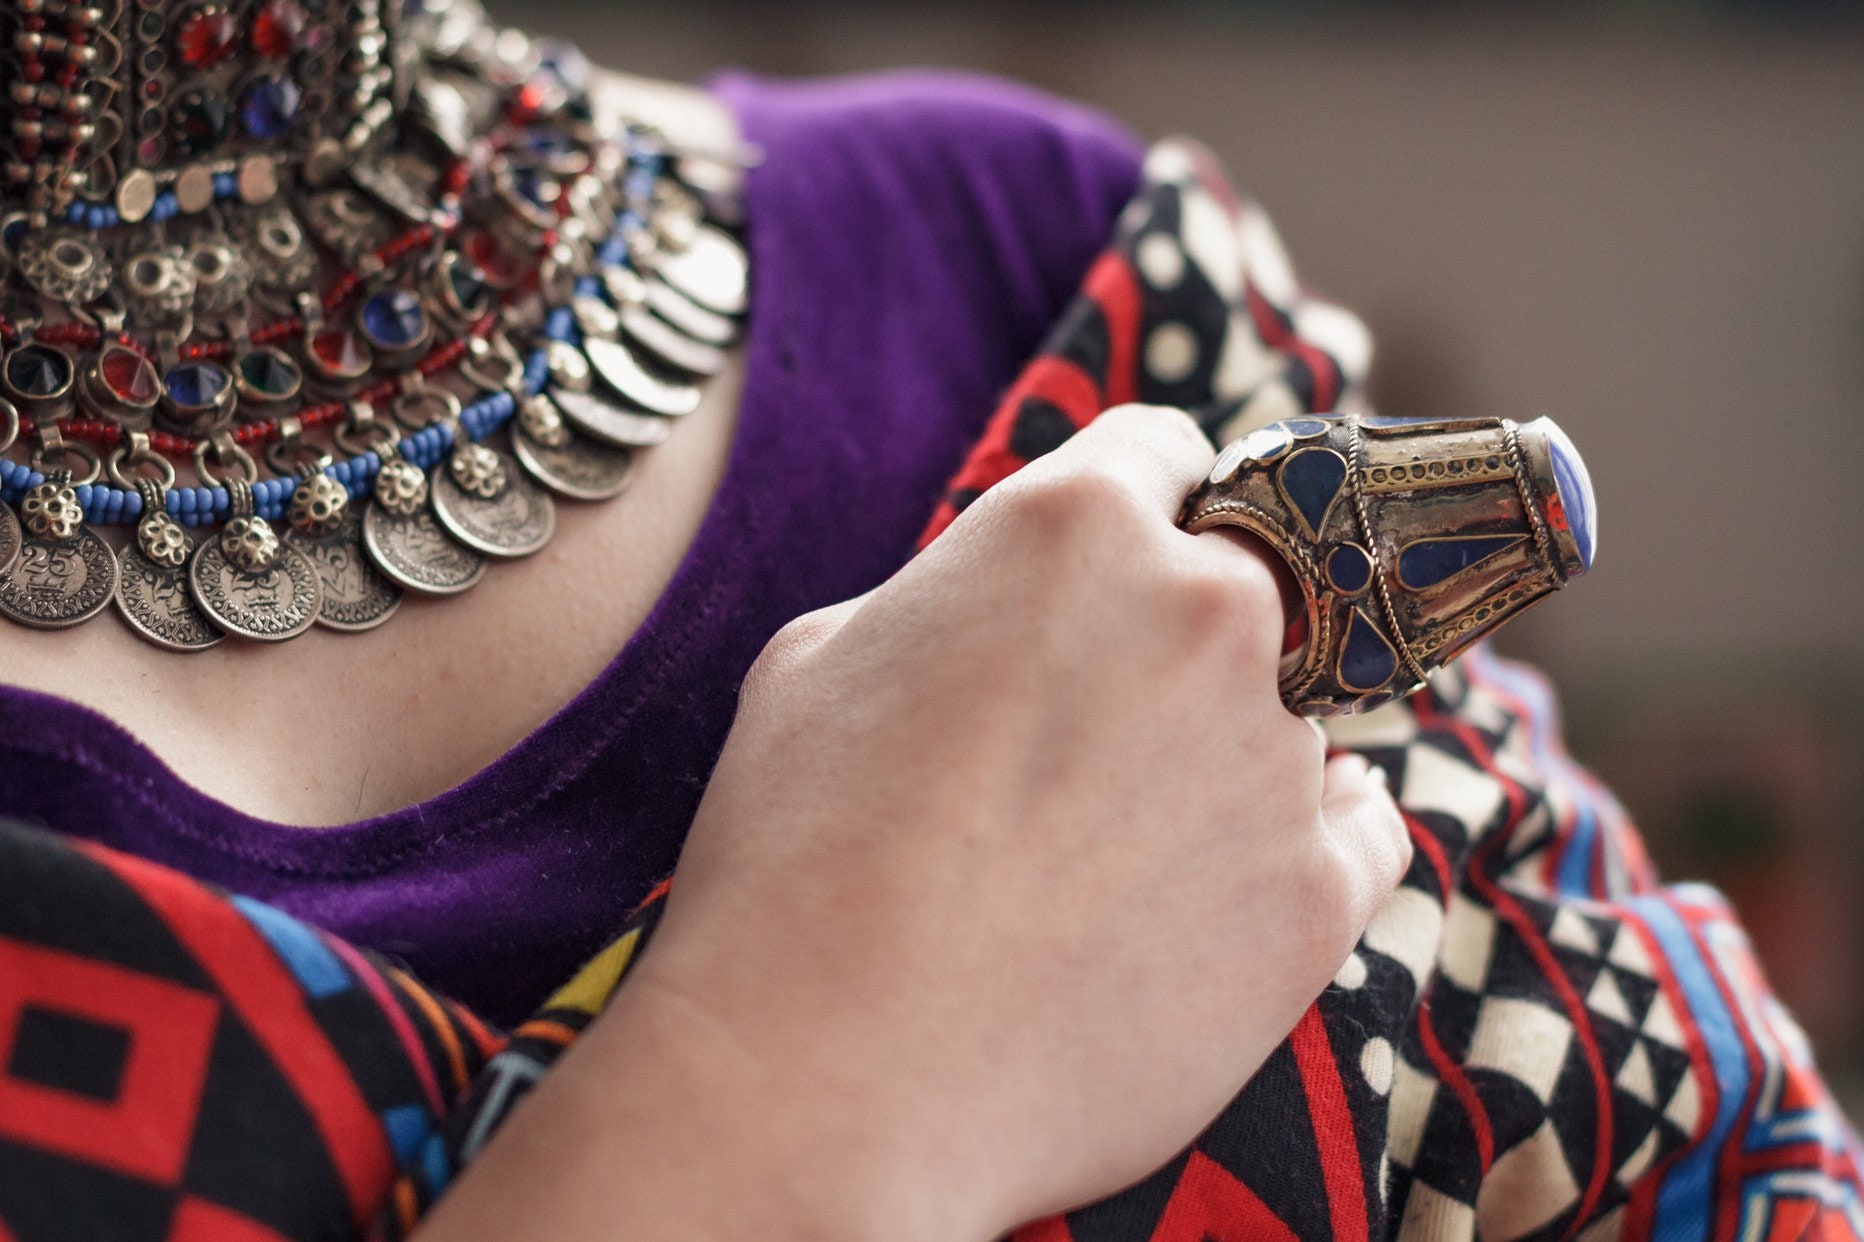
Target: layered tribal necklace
381 281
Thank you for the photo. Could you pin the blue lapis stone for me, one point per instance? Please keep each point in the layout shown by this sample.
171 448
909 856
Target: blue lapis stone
1430 561
394 319
1349 568
1303 428
1311 479
1368 659
1569 474
196 385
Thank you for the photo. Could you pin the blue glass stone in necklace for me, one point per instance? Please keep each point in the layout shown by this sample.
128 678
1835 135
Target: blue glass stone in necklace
270 108
394 321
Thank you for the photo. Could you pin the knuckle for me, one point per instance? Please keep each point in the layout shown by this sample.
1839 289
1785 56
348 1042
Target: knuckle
1074 504
788 648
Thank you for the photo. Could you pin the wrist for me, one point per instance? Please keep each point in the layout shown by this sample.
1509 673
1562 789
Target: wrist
747 1134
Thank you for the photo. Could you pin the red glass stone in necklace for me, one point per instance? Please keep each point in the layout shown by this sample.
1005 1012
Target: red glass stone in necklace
340 355
277 29
129 378
206 37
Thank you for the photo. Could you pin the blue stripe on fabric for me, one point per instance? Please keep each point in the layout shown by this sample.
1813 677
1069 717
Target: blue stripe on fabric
1575 873
408 1127
1686 1198
310 961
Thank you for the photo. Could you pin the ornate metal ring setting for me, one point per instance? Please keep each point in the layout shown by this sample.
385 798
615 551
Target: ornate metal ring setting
1410 540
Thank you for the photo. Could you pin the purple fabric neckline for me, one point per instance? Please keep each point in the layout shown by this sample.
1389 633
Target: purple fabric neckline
522 776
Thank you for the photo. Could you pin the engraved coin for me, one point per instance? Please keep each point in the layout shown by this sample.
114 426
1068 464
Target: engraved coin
267 605
57 583
669 344
579 469
517 521
155 601
622 371
417 554
711 270
606 420
357 596
11 536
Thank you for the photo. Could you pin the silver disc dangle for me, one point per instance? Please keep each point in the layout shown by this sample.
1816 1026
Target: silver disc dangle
65 573
249 582
487 503
711 269
323 524
405 541
153 595
618 367
608 421
568 464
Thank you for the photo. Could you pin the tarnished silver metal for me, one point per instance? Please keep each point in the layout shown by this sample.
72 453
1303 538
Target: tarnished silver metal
417 554
66 265
620 370
1408 540
487 503
357 596
576 469
284 256
670 346
607 421
319 505
249 583
65 574
152 594
11 539
687 315
711 270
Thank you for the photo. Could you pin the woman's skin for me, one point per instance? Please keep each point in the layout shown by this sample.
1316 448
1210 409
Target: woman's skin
447 685
1011 874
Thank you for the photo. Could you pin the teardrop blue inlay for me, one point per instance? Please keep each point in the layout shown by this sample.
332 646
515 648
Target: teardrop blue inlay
1368 660
1430 561
1349 568
1312 478
1303 428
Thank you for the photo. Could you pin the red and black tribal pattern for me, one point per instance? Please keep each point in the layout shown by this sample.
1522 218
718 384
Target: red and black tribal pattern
1534 1040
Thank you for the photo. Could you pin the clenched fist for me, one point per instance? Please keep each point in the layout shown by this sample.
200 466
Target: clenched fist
1011 874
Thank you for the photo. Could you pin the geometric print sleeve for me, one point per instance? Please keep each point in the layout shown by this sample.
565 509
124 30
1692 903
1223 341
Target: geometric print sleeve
179 1064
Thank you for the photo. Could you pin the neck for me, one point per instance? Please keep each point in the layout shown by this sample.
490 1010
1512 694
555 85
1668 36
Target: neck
116 101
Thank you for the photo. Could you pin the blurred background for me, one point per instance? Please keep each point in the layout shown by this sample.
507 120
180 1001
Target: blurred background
1646 219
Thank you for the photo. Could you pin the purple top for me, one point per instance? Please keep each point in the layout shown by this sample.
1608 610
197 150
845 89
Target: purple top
912 236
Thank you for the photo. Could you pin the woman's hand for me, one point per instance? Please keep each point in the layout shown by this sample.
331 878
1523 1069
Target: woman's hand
1010 876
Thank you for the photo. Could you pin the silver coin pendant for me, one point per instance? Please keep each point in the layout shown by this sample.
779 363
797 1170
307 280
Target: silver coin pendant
518 519
266 605
11 537
619 368
417 554
155 601
577 469
56 583
711 269
608 421
357 596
